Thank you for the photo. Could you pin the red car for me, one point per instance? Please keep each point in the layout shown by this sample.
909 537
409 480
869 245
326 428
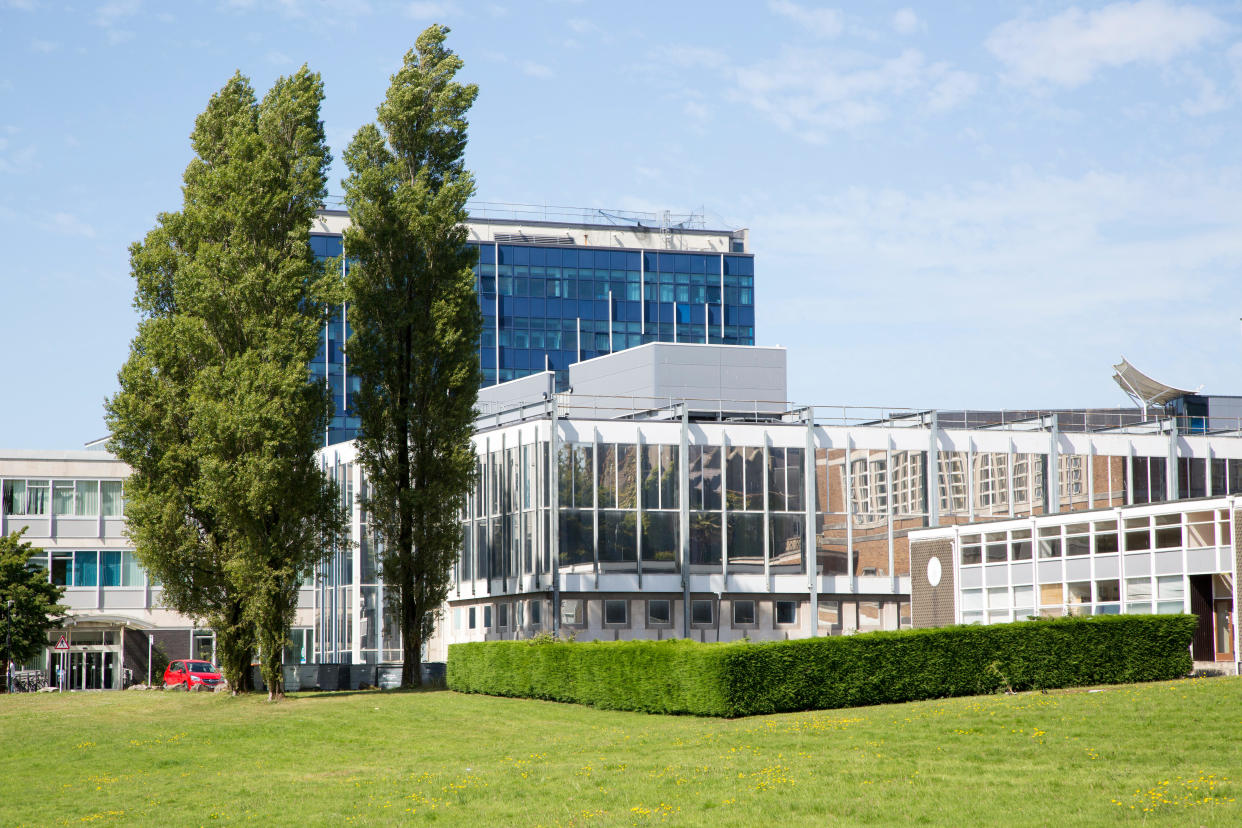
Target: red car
189 674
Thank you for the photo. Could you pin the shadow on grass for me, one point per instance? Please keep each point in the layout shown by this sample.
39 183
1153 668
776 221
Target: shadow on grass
396 691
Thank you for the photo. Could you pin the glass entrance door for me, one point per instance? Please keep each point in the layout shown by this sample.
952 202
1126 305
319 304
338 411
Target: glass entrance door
93 670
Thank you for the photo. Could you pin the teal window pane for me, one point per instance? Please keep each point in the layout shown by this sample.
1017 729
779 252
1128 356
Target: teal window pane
131 570
85 569
110 568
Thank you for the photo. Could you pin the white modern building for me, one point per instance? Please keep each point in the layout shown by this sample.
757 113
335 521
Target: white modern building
672 492
1173 557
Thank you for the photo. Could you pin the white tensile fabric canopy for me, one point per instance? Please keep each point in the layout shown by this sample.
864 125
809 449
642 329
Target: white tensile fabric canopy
1143 389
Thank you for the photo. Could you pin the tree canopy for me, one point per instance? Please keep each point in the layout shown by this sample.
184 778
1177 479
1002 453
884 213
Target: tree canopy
216 415
36 607
416 325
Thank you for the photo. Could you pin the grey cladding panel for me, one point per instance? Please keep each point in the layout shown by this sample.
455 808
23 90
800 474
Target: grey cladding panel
515 392
667 371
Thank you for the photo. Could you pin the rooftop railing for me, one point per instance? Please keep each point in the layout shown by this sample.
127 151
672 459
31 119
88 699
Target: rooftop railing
777 412
519 213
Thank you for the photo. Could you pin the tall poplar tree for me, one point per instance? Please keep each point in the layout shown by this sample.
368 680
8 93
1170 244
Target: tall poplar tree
416 325
216 415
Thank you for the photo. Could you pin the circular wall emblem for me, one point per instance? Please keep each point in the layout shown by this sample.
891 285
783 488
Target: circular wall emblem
933 571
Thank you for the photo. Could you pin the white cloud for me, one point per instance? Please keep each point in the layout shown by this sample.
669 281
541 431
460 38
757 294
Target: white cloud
44 46
278 58
697 111
1074 269
69 225
949 87
822 22
427 10
1069 48
535 70
108 14
21 5
17 162
812 92
1234 57
527 67
906 21
1208 99
580 25
1073 241
695 57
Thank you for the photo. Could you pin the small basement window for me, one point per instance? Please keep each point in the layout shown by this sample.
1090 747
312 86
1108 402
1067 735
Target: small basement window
616 612
659 612
702 612
743 613
786 612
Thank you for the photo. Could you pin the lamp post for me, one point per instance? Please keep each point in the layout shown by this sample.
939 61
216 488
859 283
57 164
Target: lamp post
8 646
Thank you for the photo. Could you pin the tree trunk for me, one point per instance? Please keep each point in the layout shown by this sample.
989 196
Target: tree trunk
272 646
233 650
411 639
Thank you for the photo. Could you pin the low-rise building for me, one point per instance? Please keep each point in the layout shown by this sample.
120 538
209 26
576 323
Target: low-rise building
1172 557
71 506
671 491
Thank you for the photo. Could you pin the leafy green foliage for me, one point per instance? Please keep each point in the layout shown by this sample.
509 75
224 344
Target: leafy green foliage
746 679
416 325
215 416
676 676
35 601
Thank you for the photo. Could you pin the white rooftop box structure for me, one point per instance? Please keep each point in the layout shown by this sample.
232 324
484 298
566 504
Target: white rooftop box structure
742 379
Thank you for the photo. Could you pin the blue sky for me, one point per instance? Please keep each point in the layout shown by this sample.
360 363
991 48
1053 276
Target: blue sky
963 204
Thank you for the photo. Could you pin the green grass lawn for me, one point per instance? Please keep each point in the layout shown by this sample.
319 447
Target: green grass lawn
1167 753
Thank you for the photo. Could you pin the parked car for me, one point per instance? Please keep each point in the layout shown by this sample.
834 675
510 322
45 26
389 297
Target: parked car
188 674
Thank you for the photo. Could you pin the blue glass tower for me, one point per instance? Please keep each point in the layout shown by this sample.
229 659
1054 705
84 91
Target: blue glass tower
574 291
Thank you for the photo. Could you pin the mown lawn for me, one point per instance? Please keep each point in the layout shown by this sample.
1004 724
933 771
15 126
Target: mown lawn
1167 753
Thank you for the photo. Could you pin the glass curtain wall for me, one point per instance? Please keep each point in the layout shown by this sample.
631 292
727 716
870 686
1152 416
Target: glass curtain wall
552 306
334 581
660 506
745 501
831 536
786 510
505 522
619 504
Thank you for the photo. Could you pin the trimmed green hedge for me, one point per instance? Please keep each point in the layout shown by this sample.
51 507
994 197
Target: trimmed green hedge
745 679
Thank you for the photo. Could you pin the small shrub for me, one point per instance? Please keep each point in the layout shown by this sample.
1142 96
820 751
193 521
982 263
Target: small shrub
743 679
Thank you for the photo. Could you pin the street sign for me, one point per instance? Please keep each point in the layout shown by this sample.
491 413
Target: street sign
62 644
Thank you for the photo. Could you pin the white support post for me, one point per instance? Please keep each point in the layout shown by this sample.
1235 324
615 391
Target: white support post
848 497
810 501
554 506
683 477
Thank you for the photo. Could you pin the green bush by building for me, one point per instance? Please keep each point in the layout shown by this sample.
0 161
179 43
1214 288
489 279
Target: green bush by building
745 679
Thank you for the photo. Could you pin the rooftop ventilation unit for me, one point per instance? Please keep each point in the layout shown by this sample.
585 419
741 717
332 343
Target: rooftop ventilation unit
526 238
